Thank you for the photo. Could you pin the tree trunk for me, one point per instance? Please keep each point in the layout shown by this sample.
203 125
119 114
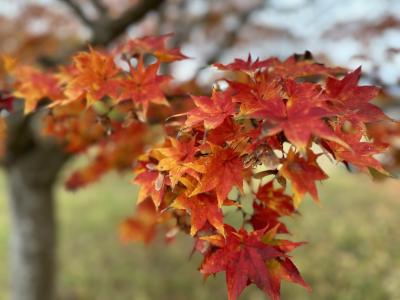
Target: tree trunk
32 165
33 238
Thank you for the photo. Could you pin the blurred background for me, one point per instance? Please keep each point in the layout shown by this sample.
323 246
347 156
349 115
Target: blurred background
354 241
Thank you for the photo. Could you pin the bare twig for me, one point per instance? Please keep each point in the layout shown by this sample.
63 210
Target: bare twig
99 5
78 12
232 35
105 32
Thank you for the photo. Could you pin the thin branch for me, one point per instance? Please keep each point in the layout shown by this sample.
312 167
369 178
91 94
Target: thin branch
78 12
232 35
106 32
99 5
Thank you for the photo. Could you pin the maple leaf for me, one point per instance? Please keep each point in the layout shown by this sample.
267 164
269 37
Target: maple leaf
275 199
155 45
88 174
243 258
34 85
212 111
176 156
274 203
246 259
152 184
202 208
260 98
141 226
93 76
360 153
76 127
222 170
248 65
283 269
301 66
302 172
117 151
144 86
352 101
263 217
229 130
304 116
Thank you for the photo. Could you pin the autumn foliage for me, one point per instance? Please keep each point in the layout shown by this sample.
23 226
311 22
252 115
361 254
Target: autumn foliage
264 126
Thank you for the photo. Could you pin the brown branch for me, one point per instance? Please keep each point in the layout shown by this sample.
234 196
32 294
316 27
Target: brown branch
78 12
99 5
232 35
104 32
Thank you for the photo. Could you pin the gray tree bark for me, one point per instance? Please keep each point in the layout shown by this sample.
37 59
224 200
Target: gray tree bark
32 164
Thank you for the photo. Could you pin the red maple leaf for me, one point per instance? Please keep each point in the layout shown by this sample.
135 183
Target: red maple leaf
245 259
212 111
202 208
283 269
360 153
352 101
141 226
301 66
260 98
247 65
275 199
273 204
152 184
303 115
302 172
263 217
229 130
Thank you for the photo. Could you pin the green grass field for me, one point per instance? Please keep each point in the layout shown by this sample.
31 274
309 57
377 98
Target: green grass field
353 251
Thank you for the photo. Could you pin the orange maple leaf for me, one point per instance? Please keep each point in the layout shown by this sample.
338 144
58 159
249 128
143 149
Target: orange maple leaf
177 154
155 45
143 86
34 85
92 76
